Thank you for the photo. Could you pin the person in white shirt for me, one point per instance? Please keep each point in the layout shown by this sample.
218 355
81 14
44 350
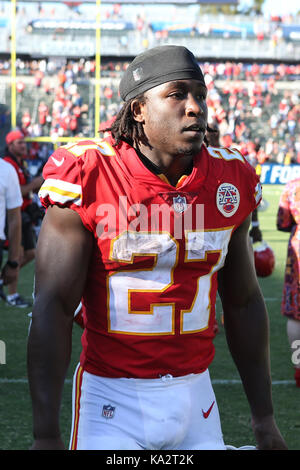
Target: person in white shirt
10 212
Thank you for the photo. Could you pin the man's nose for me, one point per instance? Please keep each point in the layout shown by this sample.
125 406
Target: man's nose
194 106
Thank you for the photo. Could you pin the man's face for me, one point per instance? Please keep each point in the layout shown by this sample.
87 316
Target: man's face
18 148
175 117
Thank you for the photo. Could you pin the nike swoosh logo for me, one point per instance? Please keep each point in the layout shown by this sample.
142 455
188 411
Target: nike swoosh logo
207 413
58 162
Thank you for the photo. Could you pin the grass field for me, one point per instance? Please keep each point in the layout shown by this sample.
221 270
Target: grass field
15 405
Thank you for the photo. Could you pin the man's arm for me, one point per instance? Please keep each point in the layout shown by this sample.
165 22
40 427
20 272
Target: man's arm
33 185
247 332
14 223
62 258
255 232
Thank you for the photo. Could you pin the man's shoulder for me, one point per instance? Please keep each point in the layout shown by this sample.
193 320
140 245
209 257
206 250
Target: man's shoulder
70 161
228 166
72 170
10 161
231 161
223 155
83 149
6 166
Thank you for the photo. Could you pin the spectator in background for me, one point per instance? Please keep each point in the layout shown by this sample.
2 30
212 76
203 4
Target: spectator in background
288 220
15 154
10 213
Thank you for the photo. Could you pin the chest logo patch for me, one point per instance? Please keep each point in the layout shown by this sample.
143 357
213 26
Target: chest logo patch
179 204
228 199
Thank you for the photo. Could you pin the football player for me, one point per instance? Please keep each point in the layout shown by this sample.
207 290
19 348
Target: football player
142 228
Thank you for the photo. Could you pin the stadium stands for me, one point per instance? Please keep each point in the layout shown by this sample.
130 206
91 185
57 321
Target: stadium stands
254 102
256 106
127 30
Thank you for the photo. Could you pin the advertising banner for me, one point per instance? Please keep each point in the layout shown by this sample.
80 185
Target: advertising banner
277 174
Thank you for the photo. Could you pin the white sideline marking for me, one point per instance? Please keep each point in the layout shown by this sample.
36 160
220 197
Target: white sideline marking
237 381
216 381
21 381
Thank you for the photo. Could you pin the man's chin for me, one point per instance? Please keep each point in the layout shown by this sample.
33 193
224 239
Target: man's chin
190 149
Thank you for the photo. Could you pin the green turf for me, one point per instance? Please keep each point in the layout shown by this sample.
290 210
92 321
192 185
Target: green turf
15 406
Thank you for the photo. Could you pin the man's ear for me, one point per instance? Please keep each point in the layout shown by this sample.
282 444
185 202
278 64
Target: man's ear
137 109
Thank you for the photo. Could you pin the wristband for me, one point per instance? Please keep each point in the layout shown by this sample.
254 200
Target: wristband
255 224
12 264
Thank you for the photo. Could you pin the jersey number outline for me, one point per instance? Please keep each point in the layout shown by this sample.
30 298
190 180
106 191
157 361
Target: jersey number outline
160 319
225 153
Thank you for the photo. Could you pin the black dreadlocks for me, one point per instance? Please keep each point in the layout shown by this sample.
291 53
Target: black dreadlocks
126 128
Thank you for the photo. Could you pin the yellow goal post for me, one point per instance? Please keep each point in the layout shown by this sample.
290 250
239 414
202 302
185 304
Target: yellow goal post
13 56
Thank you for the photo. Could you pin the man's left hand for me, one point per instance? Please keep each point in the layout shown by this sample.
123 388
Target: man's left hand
9 274
267 434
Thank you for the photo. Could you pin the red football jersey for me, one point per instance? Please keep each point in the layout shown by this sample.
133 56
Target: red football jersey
149 299
22 179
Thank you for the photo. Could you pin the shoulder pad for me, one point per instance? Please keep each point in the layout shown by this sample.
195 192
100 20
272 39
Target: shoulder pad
78 149
227 154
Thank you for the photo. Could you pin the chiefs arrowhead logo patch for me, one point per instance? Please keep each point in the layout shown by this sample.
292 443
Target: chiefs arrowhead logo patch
227 199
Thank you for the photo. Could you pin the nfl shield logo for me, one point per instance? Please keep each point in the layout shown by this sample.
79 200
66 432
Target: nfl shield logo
179 204
137 74
108 411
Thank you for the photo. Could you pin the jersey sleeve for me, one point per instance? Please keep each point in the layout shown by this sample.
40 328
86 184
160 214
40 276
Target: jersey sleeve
63 185
256 187
251 180
231 166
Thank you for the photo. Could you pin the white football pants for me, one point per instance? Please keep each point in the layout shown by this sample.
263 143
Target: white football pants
168 413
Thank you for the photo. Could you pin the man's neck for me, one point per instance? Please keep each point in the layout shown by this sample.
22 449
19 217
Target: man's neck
14 157
172 168
19 160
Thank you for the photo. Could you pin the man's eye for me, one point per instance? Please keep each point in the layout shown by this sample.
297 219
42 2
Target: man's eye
177 94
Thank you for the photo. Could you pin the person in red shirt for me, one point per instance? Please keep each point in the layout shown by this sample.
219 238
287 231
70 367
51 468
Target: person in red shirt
288 220
15 154
143 227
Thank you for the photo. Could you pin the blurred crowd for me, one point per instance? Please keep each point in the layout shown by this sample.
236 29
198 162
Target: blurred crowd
255 106
256 112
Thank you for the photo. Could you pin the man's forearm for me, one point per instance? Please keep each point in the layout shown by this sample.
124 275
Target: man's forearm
49 350
247 332
14 233
34 185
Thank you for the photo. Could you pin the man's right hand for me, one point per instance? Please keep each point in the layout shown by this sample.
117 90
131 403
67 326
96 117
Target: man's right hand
48 444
